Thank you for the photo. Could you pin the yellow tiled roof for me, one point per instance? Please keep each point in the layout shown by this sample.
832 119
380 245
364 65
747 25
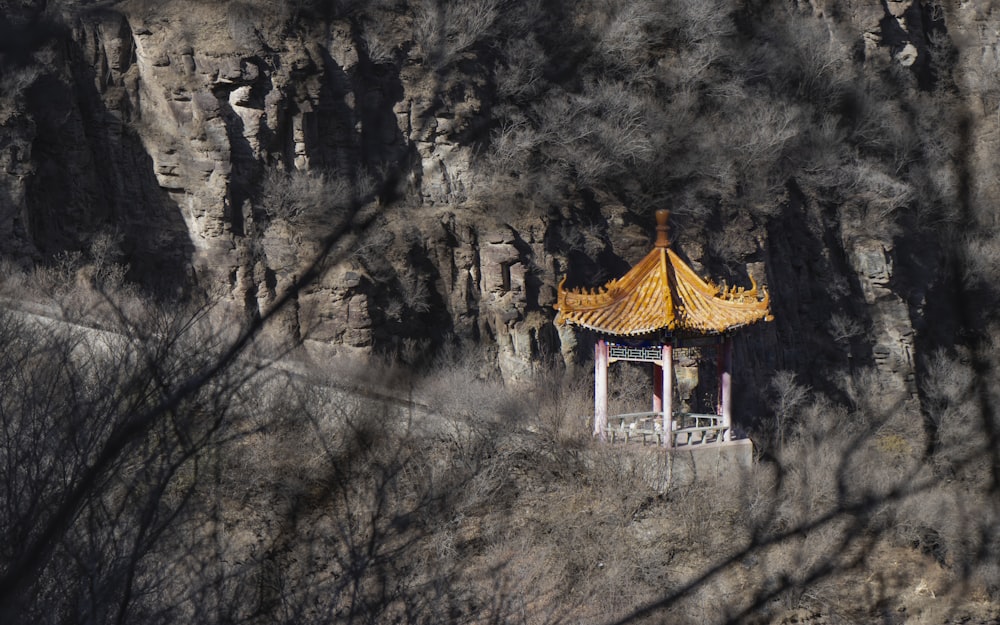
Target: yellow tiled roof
662 293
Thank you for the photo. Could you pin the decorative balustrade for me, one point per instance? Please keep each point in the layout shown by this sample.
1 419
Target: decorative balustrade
690 430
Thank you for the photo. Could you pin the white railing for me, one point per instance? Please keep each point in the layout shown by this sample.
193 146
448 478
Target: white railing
637 425
689 429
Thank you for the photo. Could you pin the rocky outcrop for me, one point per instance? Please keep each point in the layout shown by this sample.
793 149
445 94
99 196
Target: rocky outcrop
891 326
224 142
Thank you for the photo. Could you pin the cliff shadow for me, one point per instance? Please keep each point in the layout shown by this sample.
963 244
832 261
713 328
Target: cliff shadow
812 285
93 173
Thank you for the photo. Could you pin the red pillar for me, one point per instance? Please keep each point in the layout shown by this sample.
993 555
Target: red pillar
601 389
726 385
668 394
720 367
657 387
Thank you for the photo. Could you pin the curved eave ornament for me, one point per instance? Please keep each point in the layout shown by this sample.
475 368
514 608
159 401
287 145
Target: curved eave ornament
661 292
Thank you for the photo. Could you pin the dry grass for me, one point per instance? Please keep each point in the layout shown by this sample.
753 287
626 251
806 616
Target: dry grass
487 504
504 514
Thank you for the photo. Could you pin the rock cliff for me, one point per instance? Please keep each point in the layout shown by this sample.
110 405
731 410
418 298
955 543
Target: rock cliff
224 141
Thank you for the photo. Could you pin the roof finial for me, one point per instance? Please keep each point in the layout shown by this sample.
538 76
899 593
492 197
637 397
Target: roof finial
662 230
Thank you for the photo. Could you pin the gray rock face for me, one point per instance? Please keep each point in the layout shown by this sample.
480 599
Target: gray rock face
208 113
892 328
165 126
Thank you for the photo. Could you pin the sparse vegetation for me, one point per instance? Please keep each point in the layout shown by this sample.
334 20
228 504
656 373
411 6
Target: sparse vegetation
307 199
162 469
260 496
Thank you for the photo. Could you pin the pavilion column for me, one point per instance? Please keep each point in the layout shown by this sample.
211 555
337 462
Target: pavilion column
667 386
726 385
657 387
601 389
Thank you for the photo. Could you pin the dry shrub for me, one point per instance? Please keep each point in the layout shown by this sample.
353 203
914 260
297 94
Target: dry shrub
315 199
630 388
521 75
563 407
954 413
848 488
13 278
445 30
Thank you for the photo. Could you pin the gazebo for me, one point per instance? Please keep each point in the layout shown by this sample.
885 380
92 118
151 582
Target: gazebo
660 304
